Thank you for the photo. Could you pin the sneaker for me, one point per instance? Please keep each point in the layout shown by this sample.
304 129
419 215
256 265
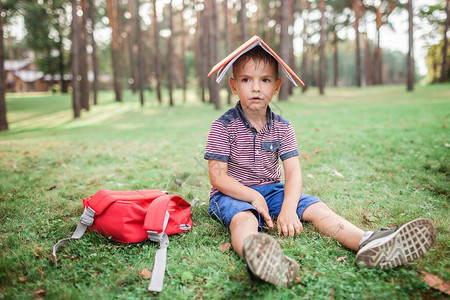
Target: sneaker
397 246
266 260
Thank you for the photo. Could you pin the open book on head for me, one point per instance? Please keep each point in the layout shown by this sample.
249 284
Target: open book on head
224 65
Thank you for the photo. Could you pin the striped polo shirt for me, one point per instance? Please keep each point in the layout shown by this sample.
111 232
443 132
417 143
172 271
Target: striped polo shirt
252 156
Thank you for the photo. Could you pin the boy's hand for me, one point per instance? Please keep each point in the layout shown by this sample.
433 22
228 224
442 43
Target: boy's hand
288 223
261 206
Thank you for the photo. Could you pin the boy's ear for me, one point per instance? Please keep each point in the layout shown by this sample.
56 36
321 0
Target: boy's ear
233 85
278 85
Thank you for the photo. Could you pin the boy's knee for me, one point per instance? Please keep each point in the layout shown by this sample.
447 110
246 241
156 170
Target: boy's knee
243 217
316 211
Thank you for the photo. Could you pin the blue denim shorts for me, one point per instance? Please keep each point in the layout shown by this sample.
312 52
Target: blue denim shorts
223 208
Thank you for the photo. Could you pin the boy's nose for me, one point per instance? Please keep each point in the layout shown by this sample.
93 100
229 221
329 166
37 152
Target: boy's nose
255 86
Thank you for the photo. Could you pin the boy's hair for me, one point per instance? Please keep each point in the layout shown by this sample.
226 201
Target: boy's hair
259 55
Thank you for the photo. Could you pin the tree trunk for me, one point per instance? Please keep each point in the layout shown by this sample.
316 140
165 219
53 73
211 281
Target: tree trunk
170 56
63 87
335 60
243 20
410 61
304 66
292 59
140 56
112 15
157 54
368 58
214 97
312 58
445 46
284 46
227 41
378 68
183 53
357 11
322 77
3 119
10 47
121 41
84 83
132 64
94 51
201 58
76 101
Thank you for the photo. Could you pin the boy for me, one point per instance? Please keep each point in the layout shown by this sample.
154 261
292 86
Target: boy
242 150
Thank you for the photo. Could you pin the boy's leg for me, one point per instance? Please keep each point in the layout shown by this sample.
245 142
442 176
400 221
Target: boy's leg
262 254
242 225
383 248
331 224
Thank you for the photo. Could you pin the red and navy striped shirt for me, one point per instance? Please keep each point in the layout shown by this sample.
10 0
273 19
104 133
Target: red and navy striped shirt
252 156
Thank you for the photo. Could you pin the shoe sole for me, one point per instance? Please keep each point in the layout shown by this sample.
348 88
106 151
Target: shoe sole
411 241
266 260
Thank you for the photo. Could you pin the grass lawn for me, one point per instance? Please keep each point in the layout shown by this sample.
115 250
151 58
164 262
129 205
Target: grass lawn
378 156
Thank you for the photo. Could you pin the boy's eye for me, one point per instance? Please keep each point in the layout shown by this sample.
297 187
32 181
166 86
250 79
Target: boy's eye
266 80
244 79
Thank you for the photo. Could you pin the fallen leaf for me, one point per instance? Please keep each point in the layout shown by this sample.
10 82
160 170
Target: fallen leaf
52 188
444 125
328 140
337 174
436 283
40 293
178 181
367 219
21 279
146 273
306 157
447 145
369 201
339 259
315 273
225 247
310 176
68 256
316 150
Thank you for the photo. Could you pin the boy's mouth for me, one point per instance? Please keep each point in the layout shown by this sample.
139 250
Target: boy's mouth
256 98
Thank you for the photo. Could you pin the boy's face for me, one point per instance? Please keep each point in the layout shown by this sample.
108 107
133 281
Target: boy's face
255 83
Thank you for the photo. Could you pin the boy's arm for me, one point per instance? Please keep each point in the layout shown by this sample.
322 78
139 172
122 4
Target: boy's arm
288 221
219 178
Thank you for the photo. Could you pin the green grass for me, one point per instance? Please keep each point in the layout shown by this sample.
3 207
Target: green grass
390 146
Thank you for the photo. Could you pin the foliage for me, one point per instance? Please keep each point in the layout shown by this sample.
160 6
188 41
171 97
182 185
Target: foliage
391 148
395 65
434 63
45 26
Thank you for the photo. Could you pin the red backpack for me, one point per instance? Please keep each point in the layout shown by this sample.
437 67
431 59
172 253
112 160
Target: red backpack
135 216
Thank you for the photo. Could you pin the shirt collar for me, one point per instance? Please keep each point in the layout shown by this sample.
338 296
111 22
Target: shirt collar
247 122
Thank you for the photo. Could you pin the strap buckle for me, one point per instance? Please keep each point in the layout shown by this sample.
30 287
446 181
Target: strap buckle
87 218
161 238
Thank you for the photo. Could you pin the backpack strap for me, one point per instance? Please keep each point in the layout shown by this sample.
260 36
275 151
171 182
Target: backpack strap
155 223
97 204
86 220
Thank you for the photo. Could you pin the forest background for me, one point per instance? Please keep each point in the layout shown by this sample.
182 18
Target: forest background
164 45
